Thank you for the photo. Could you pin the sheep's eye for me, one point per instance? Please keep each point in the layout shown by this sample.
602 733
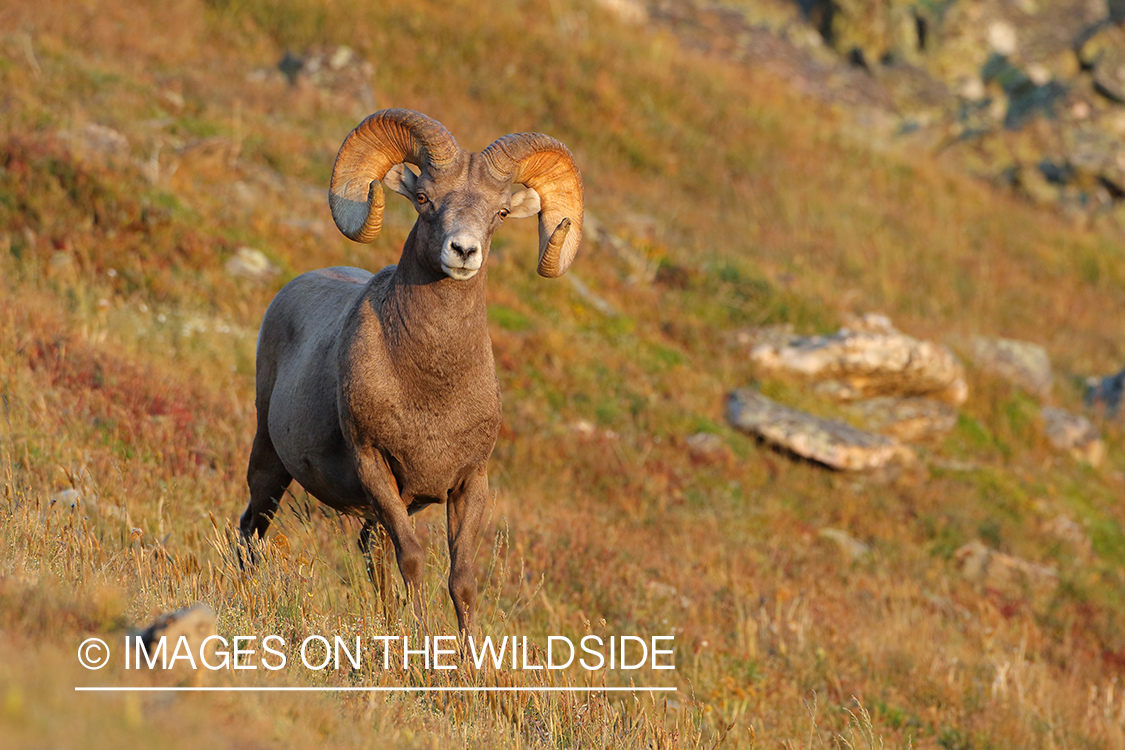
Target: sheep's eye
504 213
421 198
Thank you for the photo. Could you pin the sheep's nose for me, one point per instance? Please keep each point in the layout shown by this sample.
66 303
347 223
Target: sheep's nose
464 249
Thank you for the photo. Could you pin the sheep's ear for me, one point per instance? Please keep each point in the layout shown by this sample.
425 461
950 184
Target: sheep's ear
524 203
401 179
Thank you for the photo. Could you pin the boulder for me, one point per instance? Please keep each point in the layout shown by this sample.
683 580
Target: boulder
1021 363
832 443
194 624
1074 434
865 360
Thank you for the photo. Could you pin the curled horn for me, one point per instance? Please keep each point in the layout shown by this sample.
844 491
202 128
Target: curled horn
545 165
386 138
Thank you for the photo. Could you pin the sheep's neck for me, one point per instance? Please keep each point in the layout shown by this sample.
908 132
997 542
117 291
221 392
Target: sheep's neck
434 326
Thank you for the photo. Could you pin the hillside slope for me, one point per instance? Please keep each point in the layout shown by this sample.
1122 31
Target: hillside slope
142 148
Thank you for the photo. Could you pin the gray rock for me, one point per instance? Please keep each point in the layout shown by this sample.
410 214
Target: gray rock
706 446
876 361
834 444
1074 434
196 621
909 419
1107 393
194 624
1021 363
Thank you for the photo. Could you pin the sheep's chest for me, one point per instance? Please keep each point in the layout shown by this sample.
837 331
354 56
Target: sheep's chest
431 442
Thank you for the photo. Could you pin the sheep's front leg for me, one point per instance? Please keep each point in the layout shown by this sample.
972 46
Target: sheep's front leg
464 514
390 511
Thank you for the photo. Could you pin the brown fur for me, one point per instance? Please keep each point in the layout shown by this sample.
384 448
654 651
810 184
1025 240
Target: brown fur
379 393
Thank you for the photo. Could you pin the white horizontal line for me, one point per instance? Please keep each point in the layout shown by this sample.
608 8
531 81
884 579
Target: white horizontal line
361 688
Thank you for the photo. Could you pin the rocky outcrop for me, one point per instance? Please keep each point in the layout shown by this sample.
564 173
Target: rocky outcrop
873 359
1028 94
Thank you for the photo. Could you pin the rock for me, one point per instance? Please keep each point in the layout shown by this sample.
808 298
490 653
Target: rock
335 69
1026 98
341 58
874 362
1065 529
829 442
705 447
909 419
628 11
1022 363
194 624
848 544
290 66
1011 575
1073 433
661 590
251 264
1107 392
779 335
1002 38
870 323
97 142
1105 54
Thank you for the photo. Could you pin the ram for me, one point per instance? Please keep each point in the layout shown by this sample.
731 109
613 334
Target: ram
378 393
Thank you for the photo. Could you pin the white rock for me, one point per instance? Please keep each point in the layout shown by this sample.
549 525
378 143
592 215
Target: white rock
1002 38
875 361
252 264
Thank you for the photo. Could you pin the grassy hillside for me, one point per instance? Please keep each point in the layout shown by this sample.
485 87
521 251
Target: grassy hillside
141 147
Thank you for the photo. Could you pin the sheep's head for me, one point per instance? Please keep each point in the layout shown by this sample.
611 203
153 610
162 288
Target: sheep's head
461 198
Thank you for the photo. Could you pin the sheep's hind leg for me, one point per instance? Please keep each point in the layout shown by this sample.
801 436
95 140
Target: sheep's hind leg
267 478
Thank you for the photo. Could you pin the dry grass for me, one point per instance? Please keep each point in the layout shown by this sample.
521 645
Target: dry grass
126 361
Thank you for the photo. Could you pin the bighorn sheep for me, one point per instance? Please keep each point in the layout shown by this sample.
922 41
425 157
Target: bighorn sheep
379 393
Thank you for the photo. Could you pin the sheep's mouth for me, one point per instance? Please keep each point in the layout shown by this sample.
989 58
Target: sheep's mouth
459 273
